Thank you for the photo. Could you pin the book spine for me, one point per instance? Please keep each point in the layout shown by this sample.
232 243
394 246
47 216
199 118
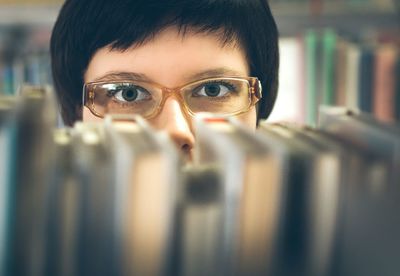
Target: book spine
384 78
397 89
353 57
328 84
7 172
365 79
341 73
310 41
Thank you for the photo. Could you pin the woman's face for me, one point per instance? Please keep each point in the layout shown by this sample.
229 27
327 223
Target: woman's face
171 60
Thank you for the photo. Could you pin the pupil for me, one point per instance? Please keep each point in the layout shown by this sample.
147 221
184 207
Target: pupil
129 94
212 90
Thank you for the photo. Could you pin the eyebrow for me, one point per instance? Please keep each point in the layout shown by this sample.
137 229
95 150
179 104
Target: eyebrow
118 76
217 72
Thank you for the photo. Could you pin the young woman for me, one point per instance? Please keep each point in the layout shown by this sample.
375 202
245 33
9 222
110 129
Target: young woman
165 60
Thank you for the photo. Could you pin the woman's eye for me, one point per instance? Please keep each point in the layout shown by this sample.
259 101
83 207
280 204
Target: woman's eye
131 94
213 90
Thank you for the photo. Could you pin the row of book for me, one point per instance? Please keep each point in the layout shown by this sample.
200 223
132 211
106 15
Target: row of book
322 67
115 197
24 57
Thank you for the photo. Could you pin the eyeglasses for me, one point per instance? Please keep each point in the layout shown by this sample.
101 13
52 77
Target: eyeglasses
220 95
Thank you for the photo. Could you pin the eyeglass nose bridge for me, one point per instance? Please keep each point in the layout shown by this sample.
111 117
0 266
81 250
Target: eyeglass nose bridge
175 93
169 91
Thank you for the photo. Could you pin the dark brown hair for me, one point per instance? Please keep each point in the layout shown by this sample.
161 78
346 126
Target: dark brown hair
83 27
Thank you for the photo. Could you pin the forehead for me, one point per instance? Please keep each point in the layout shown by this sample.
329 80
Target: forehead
171 58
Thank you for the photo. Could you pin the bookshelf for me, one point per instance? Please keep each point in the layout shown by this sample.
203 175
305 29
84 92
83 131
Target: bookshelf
350 21
287 194
28 14
25 29
306 27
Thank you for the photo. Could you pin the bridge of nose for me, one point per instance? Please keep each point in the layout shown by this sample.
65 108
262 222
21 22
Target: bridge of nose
174 119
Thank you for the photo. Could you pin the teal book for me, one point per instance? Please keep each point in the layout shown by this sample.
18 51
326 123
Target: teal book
311 103
328 67
7 178
8 80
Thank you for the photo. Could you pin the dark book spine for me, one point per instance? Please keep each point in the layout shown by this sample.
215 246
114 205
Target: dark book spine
397 89
366 79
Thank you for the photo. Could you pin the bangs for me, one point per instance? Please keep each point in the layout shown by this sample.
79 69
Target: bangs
131 23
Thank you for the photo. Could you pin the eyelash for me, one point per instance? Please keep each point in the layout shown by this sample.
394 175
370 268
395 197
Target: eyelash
227 84
230 86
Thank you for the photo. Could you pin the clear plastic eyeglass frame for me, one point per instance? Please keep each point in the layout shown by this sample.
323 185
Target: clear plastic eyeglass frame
254 90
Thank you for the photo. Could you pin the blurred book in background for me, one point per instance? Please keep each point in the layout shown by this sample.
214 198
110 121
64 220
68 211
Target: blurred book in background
115 198
25 28
24 57
339 71
339 60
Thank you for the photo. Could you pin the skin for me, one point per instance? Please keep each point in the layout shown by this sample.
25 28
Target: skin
172 59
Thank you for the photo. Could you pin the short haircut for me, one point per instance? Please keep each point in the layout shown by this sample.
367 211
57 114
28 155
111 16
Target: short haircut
83 27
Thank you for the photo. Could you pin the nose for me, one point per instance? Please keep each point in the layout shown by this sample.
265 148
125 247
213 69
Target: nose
177 124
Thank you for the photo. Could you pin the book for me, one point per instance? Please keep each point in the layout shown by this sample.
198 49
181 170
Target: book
36 116
7 175
352 84
95 199
289 104
384 82
144 235
357 169
249 178
372 201
309 241
198 236
289 248
366 78
329 39
328 182
64 207
312 80
363 129
397 90
341 71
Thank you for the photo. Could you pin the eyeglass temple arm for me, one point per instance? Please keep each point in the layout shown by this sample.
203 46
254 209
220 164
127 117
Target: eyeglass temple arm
256 88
